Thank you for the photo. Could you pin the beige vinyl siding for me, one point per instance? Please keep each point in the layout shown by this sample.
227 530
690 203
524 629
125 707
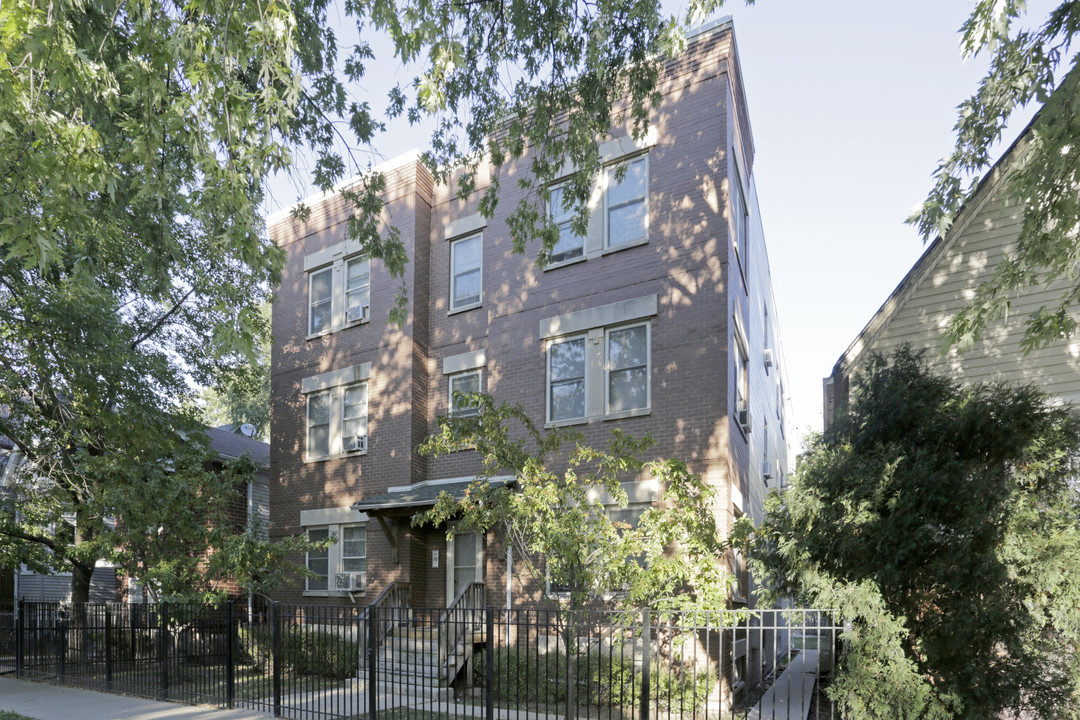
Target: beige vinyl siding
969 259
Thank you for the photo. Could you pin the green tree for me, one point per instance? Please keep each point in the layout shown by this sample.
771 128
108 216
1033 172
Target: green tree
241 394
1026 65
944 523
555 518
135 140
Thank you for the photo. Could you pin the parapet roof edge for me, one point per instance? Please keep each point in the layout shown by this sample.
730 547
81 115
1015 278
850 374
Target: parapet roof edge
386 165
713 27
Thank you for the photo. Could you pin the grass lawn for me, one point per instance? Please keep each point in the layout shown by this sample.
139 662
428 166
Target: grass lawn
805 643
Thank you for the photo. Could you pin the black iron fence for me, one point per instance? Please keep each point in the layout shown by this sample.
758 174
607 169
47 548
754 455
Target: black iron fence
301 661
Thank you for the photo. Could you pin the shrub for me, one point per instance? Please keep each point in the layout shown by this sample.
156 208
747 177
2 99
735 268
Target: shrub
521 676
310 652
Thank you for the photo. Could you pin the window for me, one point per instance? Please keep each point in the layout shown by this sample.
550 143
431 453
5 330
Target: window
742 380
318 561
566 379
357 290
320 295
339 287
740 218
626 203
318 424
353 549
466 273
354 418
466 382
337 412
570 246
627 368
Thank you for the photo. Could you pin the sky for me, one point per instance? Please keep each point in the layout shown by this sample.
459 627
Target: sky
852 104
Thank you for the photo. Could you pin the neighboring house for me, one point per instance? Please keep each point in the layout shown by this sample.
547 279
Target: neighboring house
661 321
106 585
942 282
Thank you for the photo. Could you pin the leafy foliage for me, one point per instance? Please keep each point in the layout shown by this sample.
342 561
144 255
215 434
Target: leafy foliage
242 392
1026 65
943 522
556 520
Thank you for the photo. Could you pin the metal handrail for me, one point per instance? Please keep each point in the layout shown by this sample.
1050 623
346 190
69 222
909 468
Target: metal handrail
463 615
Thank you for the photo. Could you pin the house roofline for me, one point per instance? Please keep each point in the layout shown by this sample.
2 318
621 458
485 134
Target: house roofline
991 180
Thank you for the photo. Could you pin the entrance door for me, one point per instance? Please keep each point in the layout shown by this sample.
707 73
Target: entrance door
464 563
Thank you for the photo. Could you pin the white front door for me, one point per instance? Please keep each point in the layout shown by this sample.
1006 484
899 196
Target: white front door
464 563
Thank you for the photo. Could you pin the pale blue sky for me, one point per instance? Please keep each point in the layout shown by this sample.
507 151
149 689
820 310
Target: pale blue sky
852 104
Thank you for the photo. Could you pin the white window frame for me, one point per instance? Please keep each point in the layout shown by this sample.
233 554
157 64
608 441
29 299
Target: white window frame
312 332
365 289
454 307
740 219
463 412
329 561
742 372
565 218
334 261
609 184
329 425
335 383
585 379
608 369
344 407
334 521
341 542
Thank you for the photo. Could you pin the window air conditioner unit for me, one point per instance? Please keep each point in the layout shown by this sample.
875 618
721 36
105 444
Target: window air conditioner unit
768 358
351 582
357 313
766 469
744 420
357 443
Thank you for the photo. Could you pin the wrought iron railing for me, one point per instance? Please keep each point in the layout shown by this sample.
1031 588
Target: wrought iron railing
303 661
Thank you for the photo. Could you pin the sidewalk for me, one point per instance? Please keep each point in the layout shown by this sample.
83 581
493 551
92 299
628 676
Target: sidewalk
43 701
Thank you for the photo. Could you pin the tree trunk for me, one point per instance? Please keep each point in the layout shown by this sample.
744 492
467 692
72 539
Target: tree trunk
81 574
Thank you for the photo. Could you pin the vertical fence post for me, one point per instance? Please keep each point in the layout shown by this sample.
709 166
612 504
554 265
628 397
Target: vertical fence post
276 611
62 629
163 647
230 673
646 660
489 662
373 678
108 650
19 625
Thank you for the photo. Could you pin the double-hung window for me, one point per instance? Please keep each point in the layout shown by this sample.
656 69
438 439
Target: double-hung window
466 273
337 412
742 381
566 379
627 368
570 245
740 219
626 203
318 424
321 300
339 287
599 363
353 549
465 382
357 290
354 413
318 561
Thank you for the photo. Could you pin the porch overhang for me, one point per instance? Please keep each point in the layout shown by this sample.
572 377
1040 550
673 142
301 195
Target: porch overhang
407 499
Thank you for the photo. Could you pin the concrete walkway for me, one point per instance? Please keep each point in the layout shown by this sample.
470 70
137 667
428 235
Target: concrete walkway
790 696
43 701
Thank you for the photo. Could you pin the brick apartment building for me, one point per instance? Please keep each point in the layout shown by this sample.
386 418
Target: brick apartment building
661 320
